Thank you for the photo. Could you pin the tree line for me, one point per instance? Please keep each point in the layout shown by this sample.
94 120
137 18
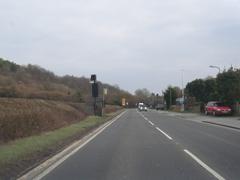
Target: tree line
225 87
33 81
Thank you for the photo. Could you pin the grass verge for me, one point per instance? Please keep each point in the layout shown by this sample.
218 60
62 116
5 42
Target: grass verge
22 150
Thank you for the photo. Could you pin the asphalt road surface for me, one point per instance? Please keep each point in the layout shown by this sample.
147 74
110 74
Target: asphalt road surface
151 145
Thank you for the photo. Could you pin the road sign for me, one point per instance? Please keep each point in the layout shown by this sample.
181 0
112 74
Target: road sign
123 102
105 91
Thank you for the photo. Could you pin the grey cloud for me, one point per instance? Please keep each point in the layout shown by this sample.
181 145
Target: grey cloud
135 44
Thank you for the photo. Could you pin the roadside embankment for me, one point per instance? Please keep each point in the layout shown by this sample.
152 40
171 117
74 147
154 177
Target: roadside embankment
22 154
27 117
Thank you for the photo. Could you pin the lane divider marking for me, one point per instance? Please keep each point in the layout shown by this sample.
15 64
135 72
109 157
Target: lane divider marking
165 134
151 123
169 137
145 118
201 163
205 166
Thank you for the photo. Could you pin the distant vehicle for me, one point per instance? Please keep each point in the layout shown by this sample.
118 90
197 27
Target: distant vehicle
142 107
217 108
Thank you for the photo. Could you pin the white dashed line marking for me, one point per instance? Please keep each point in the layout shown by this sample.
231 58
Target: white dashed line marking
165 134
210 170
142 116
151 123
201 163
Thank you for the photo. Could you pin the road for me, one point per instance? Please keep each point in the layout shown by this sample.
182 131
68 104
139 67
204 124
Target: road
151 145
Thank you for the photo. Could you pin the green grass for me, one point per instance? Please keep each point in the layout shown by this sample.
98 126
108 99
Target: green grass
18 149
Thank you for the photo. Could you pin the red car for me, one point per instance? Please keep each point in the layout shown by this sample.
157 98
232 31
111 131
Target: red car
217 108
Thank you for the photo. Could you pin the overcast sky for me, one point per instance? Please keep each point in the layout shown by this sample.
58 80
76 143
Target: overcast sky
132 43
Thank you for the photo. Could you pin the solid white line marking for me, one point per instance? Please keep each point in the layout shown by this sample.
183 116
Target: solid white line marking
151 123
169 137
210 170
51 168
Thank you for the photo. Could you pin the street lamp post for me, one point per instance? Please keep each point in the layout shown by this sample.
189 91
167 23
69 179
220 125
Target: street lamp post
183 98
219 70
170 99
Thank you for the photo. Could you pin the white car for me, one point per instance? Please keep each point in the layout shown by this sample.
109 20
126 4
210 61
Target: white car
142 108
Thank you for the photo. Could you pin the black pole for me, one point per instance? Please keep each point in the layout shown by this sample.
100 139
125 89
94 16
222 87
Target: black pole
95 106
95 98
94 92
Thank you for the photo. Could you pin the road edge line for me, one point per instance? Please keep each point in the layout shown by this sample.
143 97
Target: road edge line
223 125
50 164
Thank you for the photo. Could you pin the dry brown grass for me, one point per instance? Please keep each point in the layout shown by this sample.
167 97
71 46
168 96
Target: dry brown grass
11 87
25 117
111 108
